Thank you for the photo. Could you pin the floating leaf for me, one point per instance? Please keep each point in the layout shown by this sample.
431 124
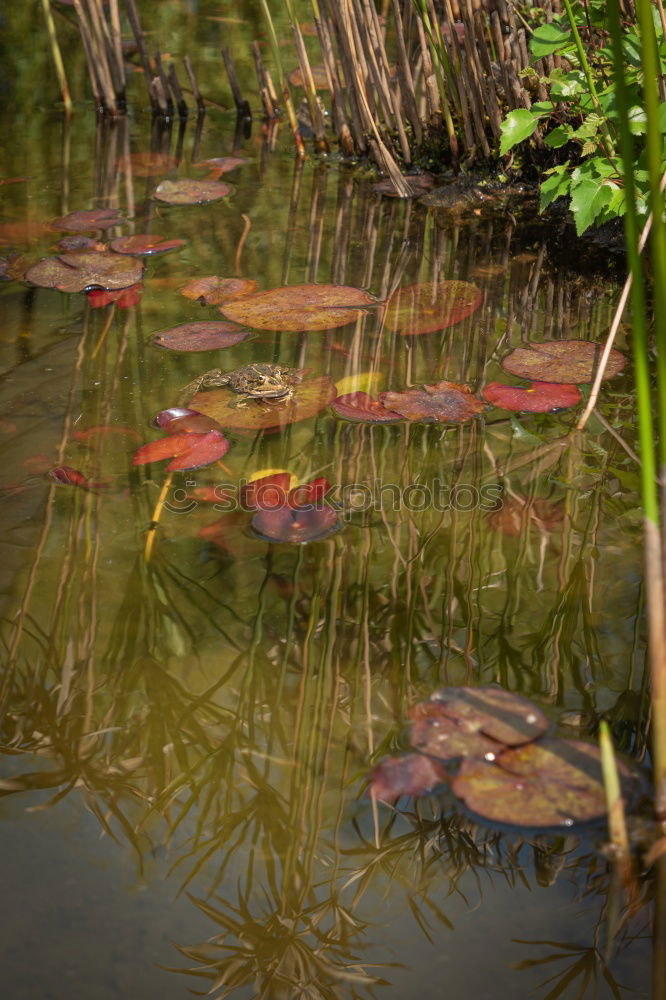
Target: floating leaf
431 306
408 774
188 451
435 733
13 268
214 291
181 420
445 402
295 308
69 244
187 192
75 272
87 219
145 243
504 716
223 164
124 298
418 184
267 492
359 382
204 336
571 361
537 397
231 409
296 526
549 783
147 164
361 406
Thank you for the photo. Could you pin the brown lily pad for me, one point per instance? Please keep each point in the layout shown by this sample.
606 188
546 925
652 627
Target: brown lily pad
436 734
571 361
204 336
188 192
86 219
70 244
430 306
75 272
214 291
361 406
295 308
231 409
147 164
145 243
407 774
549 783
445 402
537 397
223 164
500 714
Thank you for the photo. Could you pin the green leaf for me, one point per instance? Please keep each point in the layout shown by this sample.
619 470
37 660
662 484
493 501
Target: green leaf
556 185
549 38
588 199
568 85
559 136
516 127
638 120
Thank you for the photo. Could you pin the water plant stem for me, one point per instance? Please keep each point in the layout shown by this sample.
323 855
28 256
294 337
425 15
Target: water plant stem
56 55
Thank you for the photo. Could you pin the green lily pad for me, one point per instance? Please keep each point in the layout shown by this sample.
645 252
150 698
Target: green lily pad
562 361
187 192
549 783
296 308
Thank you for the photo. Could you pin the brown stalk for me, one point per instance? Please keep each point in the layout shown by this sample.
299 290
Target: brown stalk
102 88
347 62
405 78
379 68
133 17
269 107
105 47
177 92
194 85
117 44
165 83
338 108
242 106
316 117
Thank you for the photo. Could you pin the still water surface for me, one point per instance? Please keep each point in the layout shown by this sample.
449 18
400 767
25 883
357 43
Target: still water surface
186 739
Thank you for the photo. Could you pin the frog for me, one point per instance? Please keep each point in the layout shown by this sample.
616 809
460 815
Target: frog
262 381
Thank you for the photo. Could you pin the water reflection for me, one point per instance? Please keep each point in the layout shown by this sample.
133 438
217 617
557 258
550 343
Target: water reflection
222 701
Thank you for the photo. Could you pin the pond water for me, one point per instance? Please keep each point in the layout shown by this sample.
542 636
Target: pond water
187 729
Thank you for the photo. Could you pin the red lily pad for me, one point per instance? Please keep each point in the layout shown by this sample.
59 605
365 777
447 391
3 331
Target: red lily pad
537 397
445 402
75 272
296 526
296 308
124 298
65 475
223 164
436 734
431 306
86 219
549 783
500 714
147 164
408 774
214 291
204 336
188 192
570 361
69 244
361 406
187 451
231 409
266 493
182 420
145 243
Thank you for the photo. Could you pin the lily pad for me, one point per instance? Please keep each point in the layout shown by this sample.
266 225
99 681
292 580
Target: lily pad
537 397
205 336
570 361
144 244
187 451
181 420
549 783
295 308
223 164
124 298
69 244
75 272
444 402
407 774
147 164
233 410
430 306
436 734
214 291
504 716
188 192
361 406
86 219
296 525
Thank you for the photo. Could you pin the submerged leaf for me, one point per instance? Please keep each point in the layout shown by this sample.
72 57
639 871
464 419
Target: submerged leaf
124 298
445 402
503 715
408 774
571 361
147 164
66 476
214 291
296 308
296 526
144 244
188 192
361 406
86 219
223 164
537 397
188 451
204 336
430 306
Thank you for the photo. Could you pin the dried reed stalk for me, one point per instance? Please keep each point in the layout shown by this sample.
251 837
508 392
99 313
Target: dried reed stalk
177 92
314 106
56 55
201 107
135 24
242 106
270 108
